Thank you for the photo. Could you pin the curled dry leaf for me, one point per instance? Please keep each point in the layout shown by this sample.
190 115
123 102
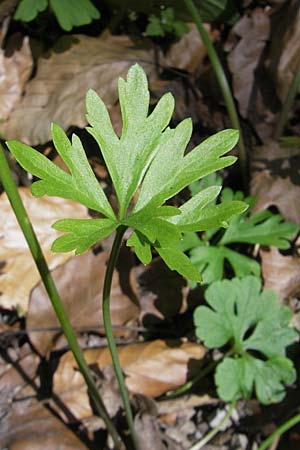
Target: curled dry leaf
15 71
189 52
57 92
281 273
253 32
276 179
80 284
151 369
19 274
252 84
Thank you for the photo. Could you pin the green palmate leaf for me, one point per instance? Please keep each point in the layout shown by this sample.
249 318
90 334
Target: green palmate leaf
210 261
27 10
82 234
69 13
263 228
177 260
128 158
81 185
237 377
171 171
148 161
237 308
74 13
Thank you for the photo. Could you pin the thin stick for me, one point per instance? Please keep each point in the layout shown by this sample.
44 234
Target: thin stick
109 331
292 92
39 259
223 83
200 444
279 431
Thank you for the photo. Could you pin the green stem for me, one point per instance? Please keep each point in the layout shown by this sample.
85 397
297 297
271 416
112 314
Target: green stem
109 330
292 92
200 444
191 383
223 83
280 430
39 259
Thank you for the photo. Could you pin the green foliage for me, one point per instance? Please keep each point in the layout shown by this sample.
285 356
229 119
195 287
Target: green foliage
69 13
149 158
256 327
264 228
166 23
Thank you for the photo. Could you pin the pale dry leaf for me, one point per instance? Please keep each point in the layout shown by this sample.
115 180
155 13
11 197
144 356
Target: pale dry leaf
57 92
276 179
189 52
281 273
19 274
151 369
80 284
30 426
253 31
285 46
15 71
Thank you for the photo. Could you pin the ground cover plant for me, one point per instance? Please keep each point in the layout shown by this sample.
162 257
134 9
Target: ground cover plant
210 252
172 273
147 154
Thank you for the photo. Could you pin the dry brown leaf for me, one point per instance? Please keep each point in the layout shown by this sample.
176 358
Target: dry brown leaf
162 292
15 71
151 369
57 92
19 274
30 426
285 46
80 284
281 273
276 179
253 32
189 52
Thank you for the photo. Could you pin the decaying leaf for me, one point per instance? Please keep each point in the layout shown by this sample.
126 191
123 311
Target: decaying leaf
281 273
30 426
15 71
276 179
253 32
285 46
151 369
80 284
189 53
19 274
57 92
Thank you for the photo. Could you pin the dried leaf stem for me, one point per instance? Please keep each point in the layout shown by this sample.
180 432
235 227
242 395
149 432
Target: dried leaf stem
223 83
41 264
109 330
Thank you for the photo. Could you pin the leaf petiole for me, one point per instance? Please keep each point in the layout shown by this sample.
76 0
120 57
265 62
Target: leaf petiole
109 330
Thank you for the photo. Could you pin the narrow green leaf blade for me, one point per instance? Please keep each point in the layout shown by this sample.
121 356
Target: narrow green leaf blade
81 233
177 260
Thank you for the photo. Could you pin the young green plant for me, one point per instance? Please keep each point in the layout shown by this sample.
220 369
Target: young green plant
68 13
147 161
241 316
210 252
